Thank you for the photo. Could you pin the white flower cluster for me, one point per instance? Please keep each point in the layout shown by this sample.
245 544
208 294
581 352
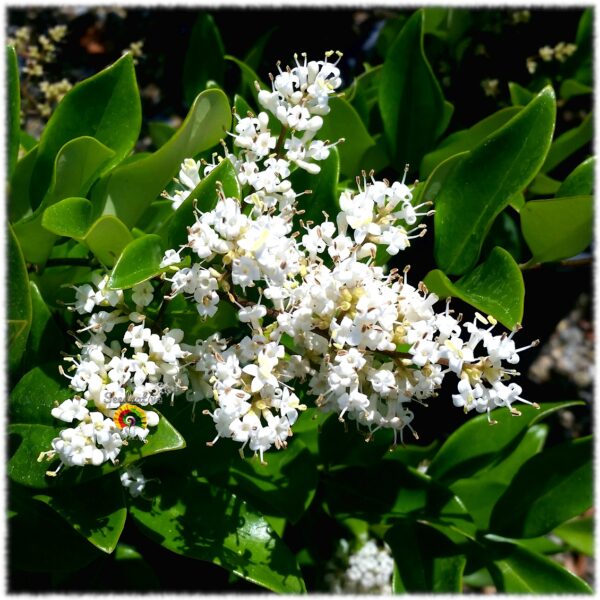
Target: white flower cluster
117 377
368 571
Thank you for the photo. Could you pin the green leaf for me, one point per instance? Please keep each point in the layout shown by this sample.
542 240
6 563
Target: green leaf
580 181
106 107
202 521
571 87
476 443
549 489
18 204
324 196
427 561
557 228
542 185
14 109
495 287
249 76
205 197
19 309
27 142
129 189
344 122
107 238
519 96
45 337
204 60
160 133
466 139
97 510
139 261
568 143
516 570
483 182
410 98
284 487
578 534
70 217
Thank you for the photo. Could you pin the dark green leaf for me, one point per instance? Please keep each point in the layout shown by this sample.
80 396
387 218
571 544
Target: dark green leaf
198 520
477 444
495 287
131 188
18 204
19 309
106 107
571 87
160 133
580 181
139 261
427 561
27 142
550 488
70 217
467 139
107 238
204 60
516 570
97 510
249 76
343 122
568 143
14 109
579 534
410 98
484 181
557 228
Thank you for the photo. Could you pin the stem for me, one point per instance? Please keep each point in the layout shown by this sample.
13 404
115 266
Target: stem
570 262
280 141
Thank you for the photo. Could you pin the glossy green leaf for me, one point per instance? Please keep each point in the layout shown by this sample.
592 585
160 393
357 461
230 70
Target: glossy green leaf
568 143
70 217
160 133
204 196
18 313
483 182
106 238
580 181
139 261
204 60
344 122
97 511
45 337
106 107
14 109
130 188
549 489
495 287
410 98
557 228
516 570
324 196
506 233
426 560
77 165
519 95
242 108
578 534
467 139
202 521
284 487
571 88
476 444
18 194
34 396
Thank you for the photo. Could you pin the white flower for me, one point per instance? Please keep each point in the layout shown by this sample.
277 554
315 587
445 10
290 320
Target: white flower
143 293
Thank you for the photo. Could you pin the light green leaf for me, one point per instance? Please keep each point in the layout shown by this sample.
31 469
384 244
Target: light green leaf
202 521
578 534
466 139
107 238
495 287
477 444
106 107
129 189
70 217
483 182
426 560
519 96
19 312
410 98
568 143
548 489
580 181
557 228
542 185
14 109
139 261
97 511
516 570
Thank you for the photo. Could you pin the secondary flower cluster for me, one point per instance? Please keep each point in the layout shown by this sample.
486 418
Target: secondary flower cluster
315 307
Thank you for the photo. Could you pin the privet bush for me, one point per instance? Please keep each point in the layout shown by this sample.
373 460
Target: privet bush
225 309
